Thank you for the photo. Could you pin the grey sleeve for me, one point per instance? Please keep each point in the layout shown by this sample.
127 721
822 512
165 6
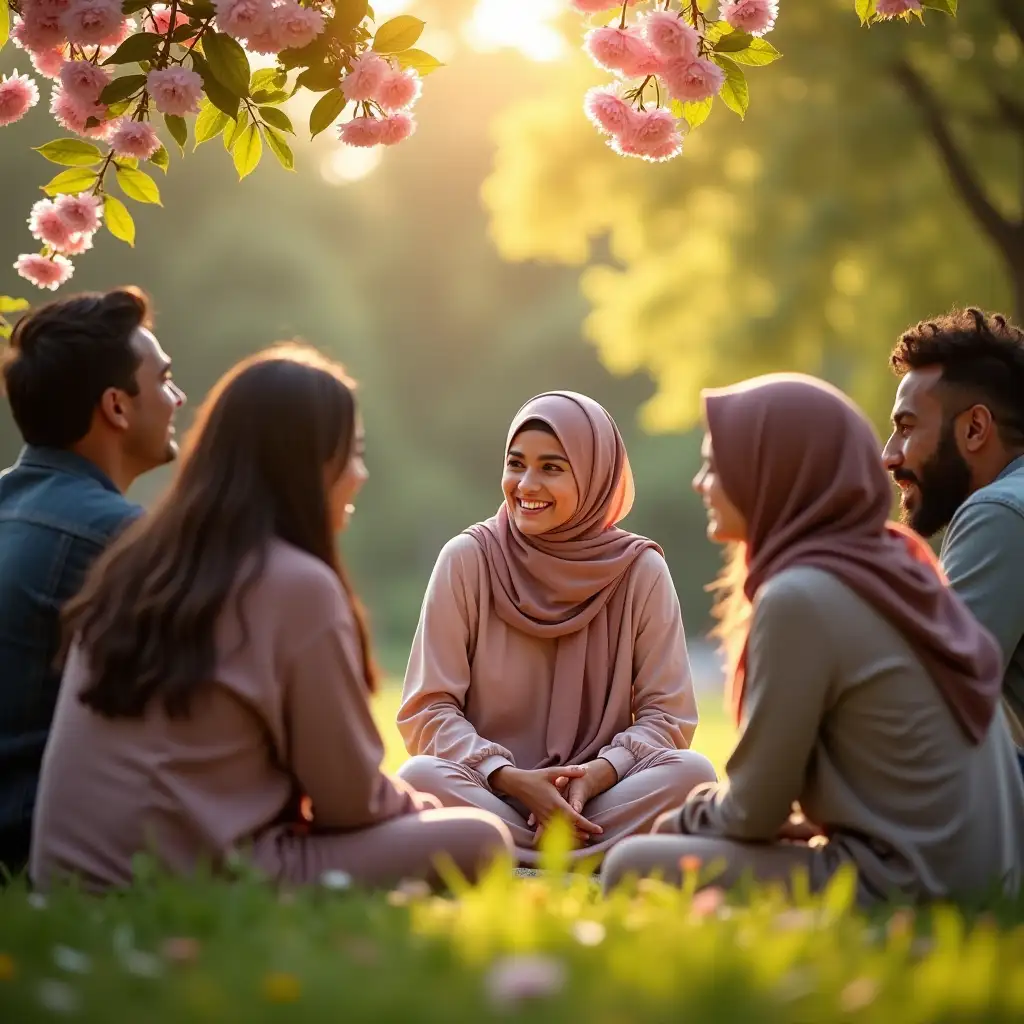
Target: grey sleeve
983 557
790 665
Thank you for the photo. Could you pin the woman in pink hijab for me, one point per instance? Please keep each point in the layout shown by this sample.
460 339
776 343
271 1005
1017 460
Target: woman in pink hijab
549 674
867 697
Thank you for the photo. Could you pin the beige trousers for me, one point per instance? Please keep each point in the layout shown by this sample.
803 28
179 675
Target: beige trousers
653 785
406 847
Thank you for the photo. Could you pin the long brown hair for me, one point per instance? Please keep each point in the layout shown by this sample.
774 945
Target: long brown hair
253 469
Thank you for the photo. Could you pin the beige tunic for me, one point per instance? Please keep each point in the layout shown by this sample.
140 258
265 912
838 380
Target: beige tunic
479 695
840 717
285 713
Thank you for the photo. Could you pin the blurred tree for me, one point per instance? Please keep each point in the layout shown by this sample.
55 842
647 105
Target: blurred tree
876 180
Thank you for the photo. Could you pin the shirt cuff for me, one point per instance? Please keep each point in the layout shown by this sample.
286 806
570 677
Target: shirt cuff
620 759
489 765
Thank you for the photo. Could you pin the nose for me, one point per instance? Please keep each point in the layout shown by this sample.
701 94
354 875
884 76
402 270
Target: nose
892 454
529 484
697 483
179 396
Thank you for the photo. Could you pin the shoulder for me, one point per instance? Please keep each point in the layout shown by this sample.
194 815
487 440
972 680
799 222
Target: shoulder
650 574
800 592
305 589
462 557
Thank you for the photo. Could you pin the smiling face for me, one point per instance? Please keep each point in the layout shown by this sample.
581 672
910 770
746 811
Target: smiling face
726 523
923 455
539 486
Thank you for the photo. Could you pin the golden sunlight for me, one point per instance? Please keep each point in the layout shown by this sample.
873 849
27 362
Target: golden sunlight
523 25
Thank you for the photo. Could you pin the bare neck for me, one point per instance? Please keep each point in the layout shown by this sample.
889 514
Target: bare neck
109 458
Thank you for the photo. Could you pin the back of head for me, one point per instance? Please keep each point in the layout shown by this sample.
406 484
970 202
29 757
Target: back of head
981 358
267 442
63 356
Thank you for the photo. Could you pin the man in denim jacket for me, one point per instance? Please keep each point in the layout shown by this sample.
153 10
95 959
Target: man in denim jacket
90 391
957 453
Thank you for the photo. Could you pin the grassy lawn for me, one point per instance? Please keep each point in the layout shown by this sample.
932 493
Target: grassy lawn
511 949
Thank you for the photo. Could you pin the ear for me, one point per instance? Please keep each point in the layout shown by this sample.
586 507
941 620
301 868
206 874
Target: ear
978 428
113 409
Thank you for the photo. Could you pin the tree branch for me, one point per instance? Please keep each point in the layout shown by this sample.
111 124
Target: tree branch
1002 231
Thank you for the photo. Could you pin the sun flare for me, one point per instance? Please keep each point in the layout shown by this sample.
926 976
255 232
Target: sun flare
523 25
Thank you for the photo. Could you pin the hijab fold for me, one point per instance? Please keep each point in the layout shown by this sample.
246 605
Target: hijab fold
802 464
564 585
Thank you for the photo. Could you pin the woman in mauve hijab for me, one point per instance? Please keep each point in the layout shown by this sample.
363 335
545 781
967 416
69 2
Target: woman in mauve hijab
549 674
865 693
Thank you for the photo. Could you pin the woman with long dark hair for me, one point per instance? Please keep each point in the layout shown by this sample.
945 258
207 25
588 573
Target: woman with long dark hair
219 668
865 692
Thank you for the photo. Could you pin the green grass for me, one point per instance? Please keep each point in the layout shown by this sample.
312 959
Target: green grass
169 952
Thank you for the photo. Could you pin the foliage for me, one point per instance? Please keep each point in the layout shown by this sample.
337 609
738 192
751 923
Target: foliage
805 238
121 63
547 950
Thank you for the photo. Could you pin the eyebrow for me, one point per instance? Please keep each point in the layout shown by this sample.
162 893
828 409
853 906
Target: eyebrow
543 458
902 414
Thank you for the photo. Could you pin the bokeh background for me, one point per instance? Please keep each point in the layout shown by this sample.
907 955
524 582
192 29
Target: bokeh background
505 250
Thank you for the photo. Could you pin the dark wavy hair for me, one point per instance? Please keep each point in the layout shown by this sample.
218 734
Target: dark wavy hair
253 469
64 355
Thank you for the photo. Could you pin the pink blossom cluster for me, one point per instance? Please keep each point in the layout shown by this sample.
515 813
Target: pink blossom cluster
666 47
894 8
377 86
18 95
269 26
65 225
47 25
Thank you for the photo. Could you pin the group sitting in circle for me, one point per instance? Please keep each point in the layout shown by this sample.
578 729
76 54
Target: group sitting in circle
195 681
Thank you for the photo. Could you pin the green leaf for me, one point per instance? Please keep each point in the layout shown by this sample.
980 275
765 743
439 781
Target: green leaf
178 127
419 60
247 151
5 24
131 6
161 158
735 92
234 133
210 122
8 304
197 9
277 119
866 10
119 220
398 34
117 109
268 80
319 78
122 88
280 148
227 61
697 113
270 95
349 13
758 54
138 185
138 47
327 110
716 30
220 96
70 152
78 179
946 6
733 41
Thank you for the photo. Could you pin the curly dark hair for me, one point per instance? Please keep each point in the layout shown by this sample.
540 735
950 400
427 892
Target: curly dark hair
64 355
982 359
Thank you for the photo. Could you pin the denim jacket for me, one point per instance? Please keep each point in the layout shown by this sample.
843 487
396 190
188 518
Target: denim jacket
983 556
58 511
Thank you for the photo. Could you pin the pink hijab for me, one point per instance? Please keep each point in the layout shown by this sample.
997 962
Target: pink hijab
565 584
802 464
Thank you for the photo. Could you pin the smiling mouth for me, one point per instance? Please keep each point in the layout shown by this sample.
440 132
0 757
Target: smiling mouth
533 508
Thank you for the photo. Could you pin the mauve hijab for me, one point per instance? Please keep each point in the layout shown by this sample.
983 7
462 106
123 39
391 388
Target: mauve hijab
802 464
565 584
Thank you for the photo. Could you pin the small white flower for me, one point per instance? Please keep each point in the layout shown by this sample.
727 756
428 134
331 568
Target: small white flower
57 996
37 901
588 933
142 965
339 881
515 979
71 960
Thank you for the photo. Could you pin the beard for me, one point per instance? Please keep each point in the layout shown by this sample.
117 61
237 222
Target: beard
943 485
